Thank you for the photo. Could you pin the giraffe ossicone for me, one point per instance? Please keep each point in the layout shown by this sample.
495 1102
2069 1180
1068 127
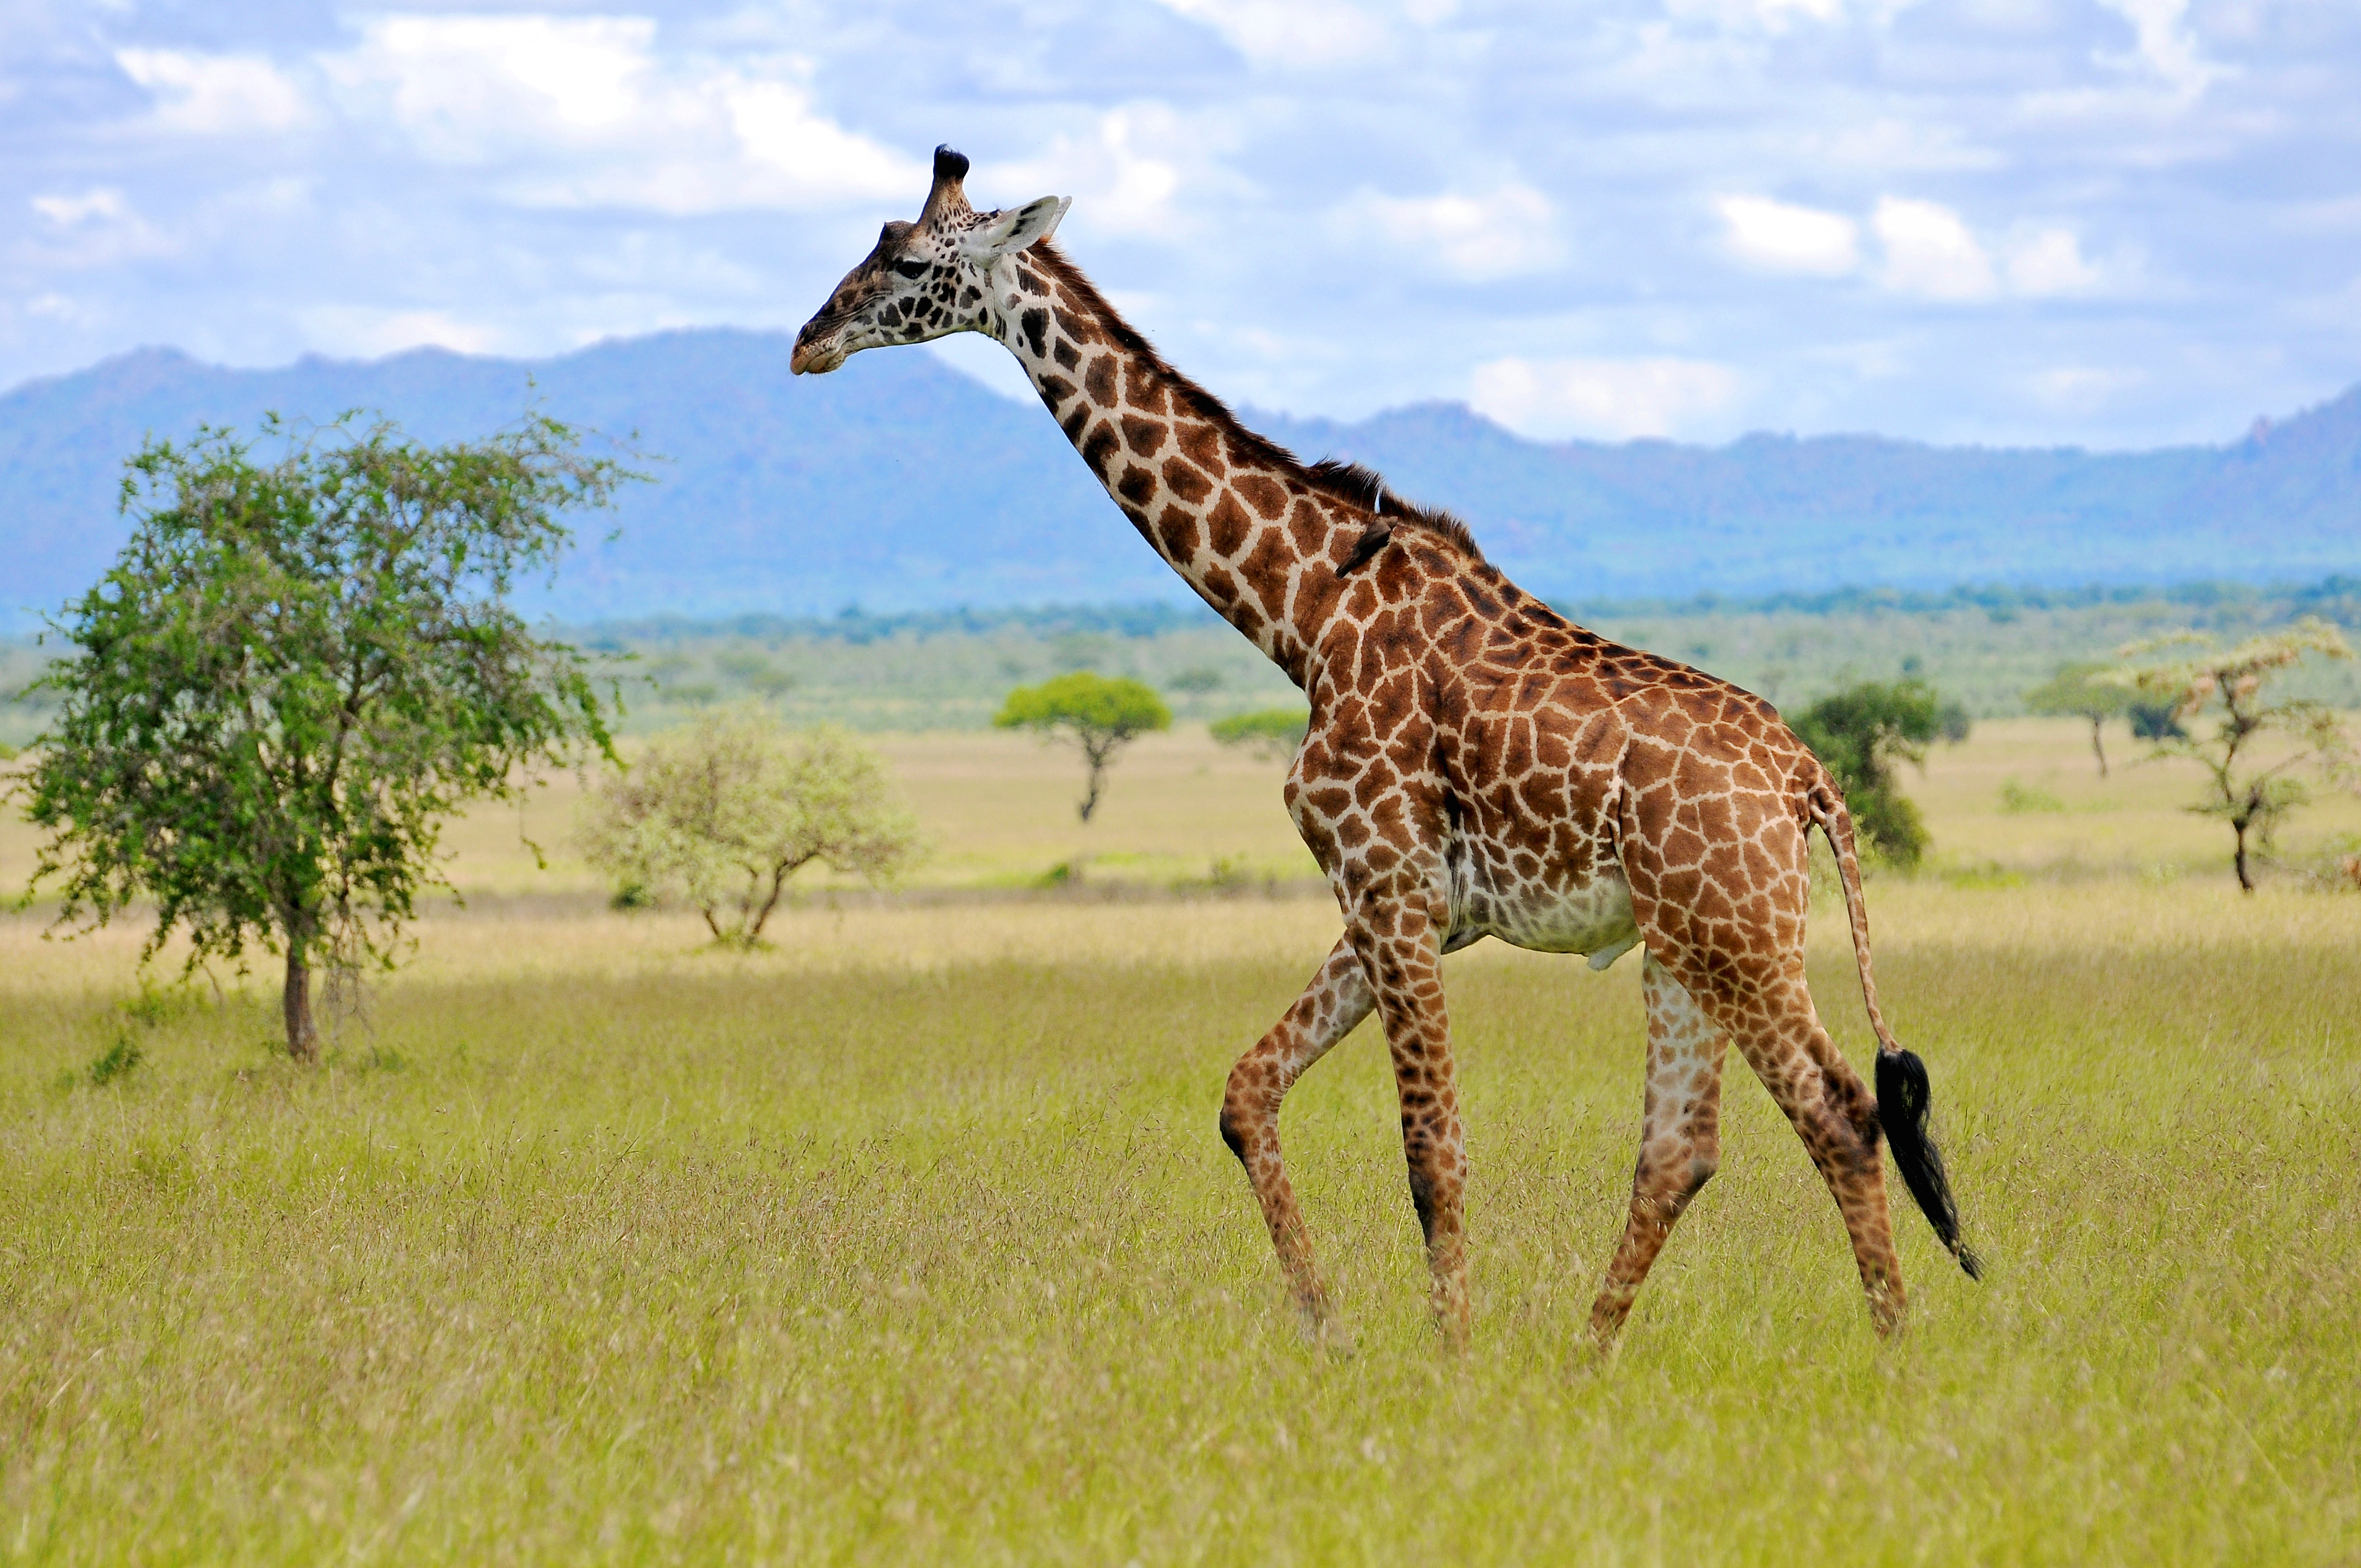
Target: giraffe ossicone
1476 766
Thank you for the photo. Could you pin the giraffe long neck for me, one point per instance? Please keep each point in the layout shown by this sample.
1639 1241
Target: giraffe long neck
1230 512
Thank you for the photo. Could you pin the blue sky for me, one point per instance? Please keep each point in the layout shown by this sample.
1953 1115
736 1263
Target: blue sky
2112 222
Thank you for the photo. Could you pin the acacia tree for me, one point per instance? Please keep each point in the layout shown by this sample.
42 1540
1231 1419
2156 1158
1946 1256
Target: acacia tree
1861 735
721 815
293 672
2253 786
1100 715
1269 733
2082 691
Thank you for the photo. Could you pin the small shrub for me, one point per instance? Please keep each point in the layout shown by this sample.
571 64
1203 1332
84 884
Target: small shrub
116 1061
2019 799
722 815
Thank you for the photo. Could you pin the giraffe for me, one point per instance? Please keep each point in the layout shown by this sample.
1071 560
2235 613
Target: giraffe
1476 766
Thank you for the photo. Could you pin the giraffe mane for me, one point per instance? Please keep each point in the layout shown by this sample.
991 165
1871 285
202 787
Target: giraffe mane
1355 484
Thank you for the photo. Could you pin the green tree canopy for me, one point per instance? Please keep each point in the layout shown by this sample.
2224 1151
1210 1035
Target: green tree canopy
1271 732
2082 691
1099 714
721 815
2252 786
293 672
1861 735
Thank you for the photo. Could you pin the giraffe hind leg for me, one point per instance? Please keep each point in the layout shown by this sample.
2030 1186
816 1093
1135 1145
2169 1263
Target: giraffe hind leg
1764 1005
1680 1139
1335 1001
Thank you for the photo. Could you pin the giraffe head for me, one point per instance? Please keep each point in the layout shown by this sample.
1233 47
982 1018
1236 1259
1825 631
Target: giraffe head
924 279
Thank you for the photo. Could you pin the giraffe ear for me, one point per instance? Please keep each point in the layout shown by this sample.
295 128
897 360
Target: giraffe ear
1006 232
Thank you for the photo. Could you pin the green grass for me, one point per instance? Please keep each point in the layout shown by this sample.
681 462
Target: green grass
896 1245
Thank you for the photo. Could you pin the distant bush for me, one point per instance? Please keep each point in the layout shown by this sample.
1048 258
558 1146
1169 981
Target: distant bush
2019 799
2154 721
1100 715
2083 691
1861 735
722 815
1273 732
2235 686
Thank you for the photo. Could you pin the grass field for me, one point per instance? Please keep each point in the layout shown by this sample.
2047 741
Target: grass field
912 1240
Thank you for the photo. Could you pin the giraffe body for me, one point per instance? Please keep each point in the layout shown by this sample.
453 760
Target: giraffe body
1474 766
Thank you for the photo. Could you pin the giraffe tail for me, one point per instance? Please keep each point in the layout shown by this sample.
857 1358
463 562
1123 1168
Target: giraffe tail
1903 1091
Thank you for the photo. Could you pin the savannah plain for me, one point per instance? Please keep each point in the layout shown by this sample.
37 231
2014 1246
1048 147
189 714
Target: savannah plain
911 1238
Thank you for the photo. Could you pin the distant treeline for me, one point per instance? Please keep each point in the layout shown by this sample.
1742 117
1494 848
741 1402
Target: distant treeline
1982 646
855 625
2336 598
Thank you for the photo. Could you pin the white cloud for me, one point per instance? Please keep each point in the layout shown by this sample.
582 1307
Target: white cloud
1116 185
1504 233
101 204
2166 45
1891 144
97 228
1929 251
1771 14
364 331
1791 239
1295 34
1616 399
2083 389
215 94
471 87
2051 262
589 113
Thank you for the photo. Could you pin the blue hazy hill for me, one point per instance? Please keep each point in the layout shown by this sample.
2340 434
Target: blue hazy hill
898 483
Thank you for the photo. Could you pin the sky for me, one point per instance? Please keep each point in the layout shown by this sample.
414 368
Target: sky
2102 222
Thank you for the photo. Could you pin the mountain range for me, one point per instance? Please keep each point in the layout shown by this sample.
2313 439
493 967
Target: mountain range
898 483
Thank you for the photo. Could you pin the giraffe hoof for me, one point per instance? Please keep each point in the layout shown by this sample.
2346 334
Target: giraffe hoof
1323 1329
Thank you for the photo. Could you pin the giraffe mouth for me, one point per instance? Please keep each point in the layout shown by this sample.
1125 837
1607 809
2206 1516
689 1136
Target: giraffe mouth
815 359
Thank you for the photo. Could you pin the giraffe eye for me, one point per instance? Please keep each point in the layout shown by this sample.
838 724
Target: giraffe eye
908 268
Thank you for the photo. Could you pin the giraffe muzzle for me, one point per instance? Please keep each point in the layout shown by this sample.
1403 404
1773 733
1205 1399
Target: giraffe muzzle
814 359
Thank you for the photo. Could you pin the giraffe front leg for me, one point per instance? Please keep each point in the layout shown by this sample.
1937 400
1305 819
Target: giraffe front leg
1399 941
1336 1001
1680 1139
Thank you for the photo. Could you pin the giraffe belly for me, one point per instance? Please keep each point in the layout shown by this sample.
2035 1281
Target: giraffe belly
1590 916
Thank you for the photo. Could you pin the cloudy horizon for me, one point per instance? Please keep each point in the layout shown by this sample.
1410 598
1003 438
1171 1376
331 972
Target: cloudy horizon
2105 223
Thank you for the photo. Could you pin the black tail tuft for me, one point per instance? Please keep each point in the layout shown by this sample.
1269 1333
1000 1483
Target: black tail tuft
1902 1097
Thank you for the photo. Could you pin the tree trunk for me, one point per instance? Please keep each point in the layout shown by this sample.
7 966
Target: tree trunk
295 1004
1090 800
2099 750
2245 878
